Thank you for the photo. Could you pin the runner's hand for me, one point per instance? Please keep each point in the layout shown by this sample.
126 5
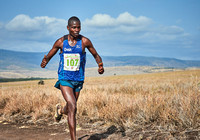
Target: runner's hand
45 60
101 70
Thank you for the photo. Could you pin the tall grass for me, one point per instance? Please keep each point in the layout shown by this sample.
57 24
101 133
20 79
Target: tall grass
21 101
170 100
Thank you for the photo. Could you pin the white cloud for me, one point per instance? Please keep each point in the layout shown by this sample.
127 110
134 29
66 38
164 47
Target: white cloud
23 23
37 33
141 27
125 22
43 25
133 29
127 19
100 20
175 30
106 32
165 34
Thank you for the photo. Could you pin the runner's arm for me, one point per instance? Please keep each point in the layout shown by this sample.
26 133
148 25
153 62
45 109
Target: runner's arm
57 45
88 44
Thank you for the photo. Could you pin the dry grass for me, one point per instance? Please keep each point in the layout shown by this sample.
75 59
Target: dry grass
170 100
21 101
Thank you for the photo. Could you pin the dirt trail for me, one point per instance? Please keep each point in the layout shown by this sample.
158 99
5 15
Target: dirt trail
49 132
39 132
9 131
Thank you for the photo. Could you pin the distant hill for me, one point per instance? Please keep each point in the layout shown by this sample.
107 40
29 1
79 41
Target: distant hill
23 60
149 61
13 60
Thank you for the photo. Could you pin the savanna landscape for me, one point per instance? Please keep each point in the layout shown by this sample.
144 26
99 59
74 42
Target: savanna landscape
163 105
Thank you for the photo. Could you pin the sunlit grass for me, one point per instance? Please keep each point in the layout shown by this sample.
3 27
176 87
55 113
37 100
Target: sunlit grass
170 100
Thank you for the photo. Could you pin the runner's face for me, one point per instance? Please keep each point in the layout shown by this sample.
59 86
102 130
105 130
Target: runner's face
74 28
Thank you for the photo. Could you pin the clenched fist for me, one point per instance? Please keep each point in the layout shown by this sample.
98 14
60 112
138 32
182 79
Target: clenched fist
44 62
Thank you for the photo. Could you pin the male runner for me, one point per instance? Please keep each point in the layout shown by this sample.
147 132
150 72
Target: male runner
71 69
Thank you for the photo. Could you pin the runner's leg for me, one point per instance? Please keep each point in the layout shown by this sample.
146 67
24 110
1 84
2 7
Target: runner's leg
77 95
71 108
64 110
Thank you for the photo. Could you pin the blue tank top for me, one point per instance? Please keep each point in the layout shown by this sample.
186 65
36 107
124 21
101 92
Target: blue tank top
72 61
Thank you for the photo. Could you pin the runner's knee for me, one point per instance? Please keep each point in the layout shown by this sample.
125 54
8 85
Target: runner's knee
72 107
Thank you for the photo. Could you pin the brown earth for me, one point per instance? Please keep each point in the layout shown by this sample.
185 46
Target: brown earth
95 131
59 131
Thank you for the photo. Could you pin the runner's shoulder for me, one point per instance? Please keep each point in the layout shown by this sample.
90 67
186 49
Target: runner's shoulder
85 40
61 39
59 42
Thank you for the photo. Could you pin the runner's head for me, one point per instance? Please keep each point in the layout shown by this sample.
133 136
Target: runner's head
74 26
72 20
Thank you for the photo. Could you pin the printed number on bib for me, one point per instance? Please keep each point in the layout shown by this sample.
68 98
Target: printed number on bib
71 62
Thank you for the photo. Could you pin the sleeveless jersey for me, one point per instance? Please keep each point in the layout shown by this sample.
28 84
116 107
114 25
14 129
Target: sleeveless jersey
72 61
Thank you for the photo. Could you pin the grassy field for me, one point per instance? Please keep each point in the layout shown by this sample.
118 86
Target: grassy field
168 100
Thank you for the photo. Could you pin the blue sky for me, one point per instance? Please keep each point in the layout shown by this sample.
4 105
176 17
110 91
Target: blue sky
160 28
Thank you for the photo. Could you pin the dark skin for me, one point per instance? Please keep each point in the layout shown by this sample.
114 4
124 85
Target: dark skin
69 95
74 30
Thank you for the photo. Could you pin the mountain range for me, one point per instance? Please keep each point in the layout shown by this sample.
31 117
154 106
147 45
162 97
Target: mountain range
11 60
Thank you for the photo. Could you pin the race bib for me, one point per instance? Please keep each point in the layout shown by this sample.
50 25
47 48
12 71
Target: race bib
71 62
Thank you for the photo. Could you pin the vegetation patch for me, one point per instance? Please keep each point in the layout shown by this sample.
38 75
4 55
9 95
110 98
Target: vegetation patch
20 79
167 103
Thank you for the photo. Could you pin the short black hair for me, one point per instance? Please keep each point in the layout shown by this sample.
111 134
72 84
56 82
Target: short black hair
72 19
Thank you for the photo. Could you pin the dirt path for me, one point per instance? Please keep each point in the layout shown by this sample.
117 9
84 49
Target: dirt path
38 132
55 131
10 131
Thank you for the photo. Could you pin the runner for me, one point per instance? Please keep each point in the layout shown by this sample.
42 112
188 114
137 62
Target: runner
71 69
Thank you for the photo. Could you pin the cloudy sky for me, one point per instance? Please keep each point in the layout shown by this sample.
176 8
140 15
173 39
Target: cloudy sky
160 28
